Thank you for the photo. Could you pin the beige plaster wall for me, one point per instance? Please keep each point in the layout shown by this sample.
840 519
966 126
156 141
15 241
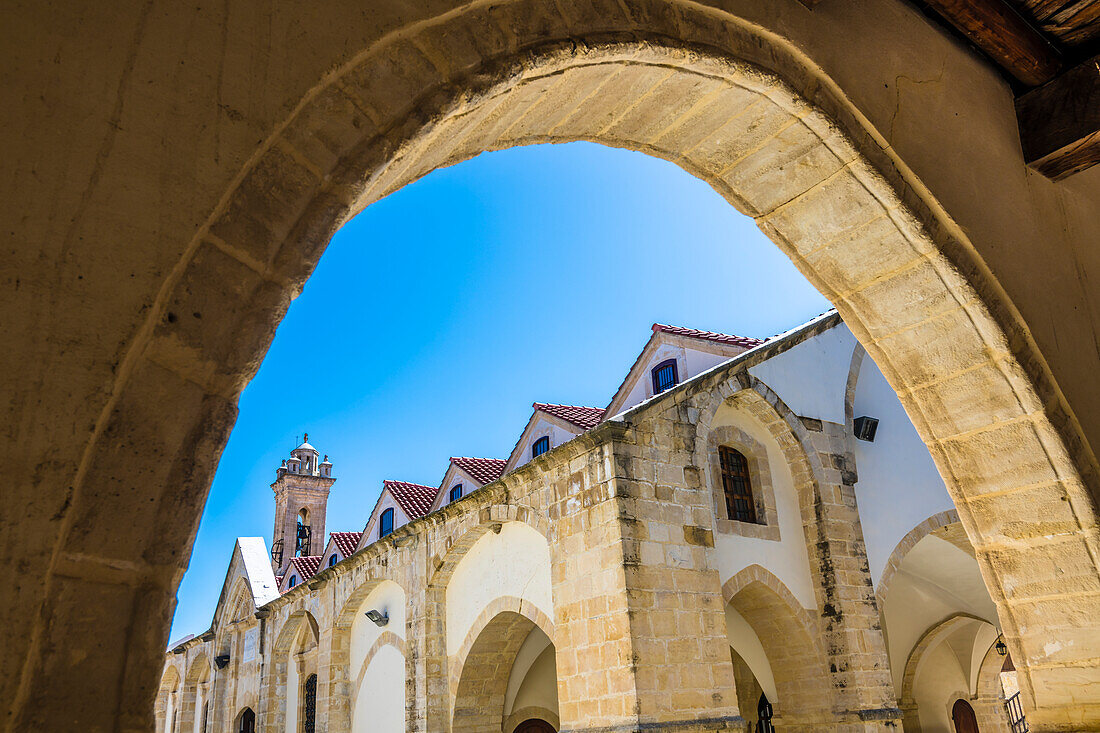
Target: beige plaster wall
380 700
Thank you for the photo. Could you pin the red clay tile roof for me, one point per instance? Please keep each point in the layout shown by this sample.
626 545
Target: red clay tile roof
722 338
306 566
346 542
415 499
584 418
482 470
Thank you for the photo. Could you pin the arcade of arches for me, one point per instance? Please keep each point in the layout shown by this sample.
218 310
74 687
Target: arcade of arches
178 170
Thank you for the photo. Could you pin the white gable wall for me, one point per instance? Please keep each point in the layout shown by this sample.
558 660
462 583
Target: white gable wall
689 362
543 427
386 501
812 377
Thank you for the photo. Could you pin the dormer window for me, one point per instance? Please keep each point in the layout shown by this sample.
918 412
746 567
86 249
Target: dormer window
664 376
540 446
333 559
456 493
293 581
385 523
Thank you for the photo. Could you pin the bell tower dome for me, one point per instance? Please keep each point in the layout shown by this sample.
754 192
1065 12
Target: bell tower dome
301 489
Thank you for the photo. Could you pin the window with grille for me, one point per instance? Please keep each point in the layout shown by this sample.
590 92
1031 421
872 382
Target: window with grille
309 714
541 446
385 523
664 376
736 485
456 492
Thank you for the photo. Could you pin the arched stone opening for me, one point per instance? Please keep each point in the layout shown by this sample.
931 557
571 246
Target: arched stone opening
168 701
947 665
293 659
779 643
486 680
825 186
196 695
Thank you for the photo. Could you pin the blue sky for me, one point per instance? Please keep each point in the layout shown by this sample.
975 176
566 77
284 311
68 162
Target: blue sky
438 315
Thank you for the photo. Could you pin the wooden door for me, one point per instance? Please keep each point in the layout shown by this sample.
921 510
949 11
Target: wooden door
963 715
534 726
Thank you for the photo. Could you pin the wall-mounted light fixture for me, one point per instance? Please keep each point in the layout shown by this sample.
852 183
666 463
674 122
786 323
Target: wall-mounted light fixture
865 428
1000 646
221 660
380 619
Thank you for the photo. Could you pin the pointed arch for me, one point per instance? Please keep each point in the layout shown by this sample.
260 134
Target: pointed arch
907 543
791 639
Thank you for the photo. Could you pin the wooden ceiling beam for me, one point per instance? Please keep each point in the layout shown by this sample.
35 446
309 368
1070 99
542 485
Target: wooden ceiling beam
1005 36
1060 122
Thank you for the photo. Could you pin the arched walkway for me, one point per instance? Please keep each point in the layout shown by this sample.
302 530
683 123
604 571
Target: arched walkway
732 104
791 639
298 636
480 677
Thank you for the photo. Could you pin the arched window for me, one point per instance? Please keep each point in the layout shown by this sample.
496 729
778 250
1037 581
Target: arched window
302 541
385 523
333 559
664 376
540 446
456 492
309 708
248 722
740 504
293 581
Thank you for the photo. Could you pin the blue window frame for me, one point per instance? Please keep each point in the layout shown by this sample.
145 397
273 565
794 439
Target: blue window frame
293 581
664 376
541 446
385 523
456 493
333 559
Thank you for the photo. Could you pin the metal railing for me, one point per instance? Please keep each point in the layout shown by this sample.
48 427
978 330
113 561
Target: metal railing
1015 712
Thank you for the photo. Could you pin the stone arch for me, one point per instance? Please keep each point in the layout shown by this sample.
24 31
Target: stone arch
751 115
480 671
989 697
907 543
760 472
195 691
527 713
167 702
278 667
913 665
387 639
792 642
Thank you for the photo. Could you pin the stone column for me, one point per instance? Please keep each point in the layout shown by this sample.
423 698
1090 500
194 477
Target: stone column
850 619
426 690
641 637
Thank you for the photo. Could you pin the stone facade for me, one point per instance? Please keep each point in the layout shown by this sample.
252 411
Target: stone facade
612 548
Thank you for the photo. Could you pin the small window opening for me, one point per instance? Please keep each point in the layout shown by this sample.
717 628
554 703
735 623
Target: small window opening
541 446
248 722
309 717
456 493
664 376
333 559
736 485
293 581
385 523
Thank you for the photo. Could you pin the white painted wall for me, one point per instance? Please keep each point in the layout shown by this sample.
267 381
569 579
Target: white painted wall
787 559
292 684
936 580
939 678
689 362
387 598
812 377
515 562
540 685
745 642
379 705
899 486
533 646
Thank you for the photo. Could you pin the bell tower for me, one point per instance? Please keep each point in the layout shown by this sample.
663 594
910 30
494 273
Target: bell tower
301 491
